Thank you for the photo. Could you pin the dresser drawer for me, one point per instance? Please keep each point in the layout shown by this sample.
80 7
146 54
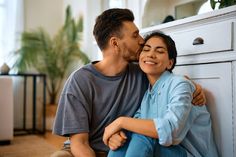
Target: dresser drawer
204 39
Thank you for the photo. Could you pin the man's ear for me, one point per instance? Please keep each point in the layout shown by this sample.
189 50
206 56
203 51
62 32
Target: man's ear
113 42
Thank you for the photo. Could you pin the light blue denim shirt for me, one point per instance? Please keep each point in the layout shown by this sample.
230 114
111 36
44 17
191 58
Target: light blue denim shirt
176 120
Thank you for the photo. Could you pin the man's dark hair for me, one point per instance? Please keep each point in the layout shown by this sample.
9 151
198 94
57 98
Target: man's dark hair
170 44
109 23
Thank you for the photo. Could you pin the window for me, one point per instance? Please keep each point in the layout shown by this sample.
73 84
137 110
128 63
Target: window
2 19
11 26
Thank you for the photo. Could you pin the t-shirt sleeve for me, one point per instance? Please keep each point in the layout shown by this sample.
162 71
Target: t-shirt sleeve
73 109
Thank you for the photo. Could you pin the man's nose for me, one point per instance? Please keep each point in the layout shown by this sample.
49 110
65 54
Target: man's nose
141 41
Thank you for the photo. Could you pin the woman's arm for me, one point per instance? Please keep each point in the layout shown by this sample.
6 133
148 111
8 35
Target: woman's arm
172 127
141 126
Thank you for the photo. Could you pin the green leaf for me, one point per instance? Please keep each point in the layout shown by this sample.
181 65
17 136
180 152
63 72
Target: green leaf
213 4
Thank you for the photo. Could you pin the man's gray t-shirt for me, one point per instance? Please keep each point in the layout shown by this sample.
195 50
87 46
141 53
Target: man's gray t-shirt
90 101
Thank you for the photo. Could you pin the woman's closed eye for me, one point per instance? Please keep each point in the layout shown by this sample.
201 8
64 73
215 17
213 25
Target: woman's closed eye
160 50
146 48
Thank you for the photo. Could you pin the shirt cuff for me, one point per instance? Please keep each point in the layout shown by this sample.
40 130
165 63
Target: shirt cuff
164 131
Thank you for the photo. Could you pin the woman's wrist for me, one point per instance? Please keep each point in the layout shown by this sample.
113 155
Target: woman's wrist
120 122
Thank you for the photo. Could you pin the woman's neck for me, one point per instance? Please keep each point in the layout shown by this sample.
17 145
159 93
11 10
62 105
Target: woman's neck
152 78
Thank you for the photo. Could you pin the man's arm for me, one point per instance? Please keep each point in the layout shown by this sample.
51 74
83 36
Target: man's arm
117 140
199 97
80 145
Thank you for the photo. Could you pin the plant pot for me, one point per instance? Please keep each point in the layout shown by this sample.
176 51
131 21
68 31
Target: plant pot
51 110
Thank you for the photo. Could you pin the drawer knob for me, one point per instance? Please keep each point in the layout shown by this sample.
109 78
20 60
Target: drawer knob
198 41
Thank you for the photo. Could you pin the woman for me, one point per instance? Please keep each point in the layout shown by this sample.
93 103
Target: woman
166 124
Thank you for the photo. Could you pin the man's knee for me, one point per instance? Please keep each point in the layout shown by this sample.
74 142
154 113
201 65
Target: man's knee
62 153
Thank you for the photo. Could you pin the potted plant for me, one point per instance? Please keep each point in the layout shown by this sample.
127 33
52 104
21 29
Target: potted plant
51 56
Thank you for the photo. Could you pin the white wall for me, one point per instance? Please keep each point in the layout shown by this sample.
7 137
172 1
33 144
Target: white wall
44 13
93 9
77 6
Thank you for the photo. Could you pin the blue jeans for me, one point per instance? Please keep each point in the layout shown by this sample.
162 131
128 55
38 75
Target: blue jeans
143 146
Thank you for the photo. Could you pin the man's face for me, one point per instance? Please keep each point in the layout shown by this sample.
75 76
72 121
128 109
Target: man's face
131 43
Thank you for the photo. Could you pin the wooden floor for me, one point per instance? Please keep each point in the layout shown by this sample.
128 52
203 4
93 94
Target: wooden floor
56 141
30 145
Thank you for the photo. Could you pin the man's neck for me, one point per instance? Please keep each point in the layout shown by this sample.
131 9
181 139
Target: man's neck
111 66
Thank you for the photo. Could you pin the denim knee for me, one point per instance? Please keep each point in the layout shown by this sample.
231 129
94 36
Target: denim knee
175 150
140 146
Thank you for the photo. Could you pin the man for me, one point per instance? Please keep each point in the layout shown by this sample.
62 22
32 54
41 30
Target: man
99 92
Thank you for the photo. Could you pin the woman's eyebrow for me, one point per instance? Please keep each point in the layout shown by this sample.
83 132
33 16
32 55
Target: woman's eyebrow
157 47
160 47
146 45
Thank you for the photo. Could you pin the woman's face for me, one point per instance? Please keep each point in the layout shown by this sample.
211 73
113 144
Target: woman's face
154 58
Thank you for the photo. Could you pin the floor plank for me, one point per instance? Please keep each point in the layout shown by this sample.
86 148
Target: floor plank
55 140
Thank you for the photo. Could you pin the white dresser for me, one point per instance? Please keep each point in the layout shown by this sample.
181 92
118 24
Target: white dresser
207 54
6 109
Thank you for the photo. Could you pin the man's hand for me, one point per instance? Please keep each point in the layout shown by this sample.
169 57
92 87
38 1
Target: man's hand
199 97
80 145
110 130
117 140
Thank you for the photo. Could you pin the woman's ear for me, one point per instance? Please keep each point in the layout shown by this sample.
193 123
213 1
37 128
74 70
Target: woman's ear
171 62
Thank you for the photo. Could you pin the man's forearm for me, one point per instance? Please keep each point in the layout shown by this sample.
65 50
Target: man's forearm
82 150
80 146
